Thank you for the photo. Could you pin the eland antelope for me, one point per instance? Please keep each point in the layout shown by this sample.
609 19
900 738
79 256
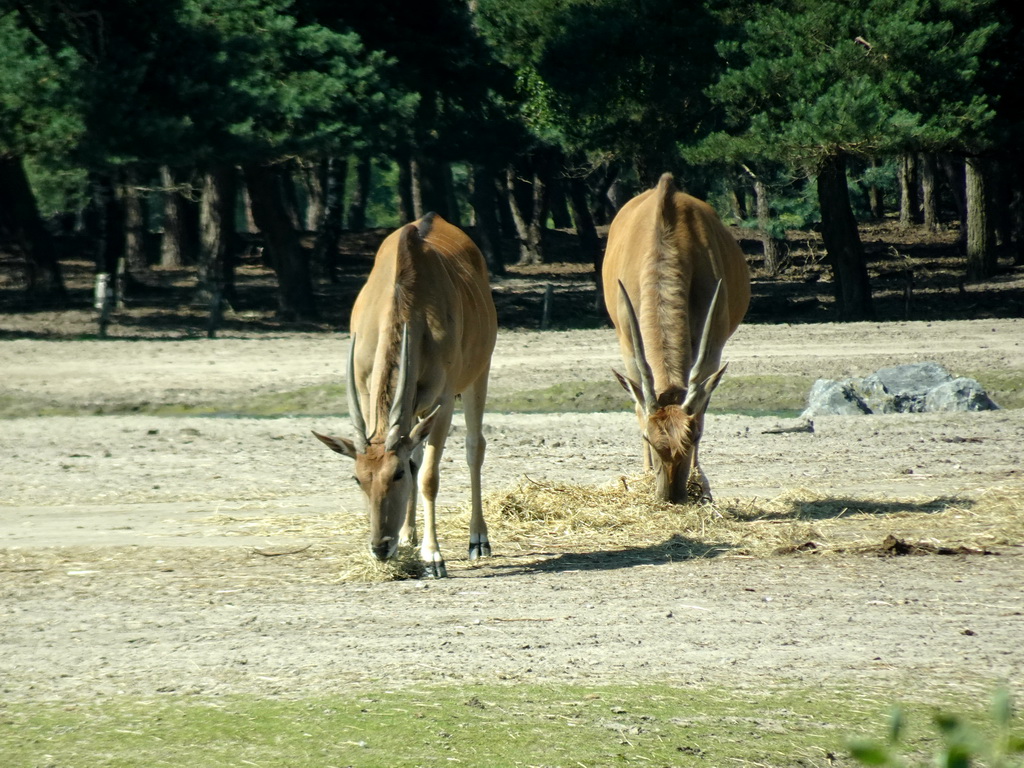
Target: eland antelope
676 286
423 330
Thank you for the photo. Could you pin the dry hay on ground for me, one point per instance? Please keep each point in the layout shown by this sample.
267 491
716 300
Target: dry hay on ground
626 515
536 519
405 564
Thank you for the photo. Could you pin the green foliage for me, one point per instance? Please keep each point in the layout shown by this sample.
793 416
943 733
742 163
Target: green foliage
294 88
59 185
806 80
382 205
962 744
794 206
36 115
198 80
614 77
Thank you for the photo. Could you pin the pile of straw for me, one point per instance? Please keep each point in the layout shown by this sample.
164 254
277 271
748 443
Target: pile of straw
626 514
405 564
534 520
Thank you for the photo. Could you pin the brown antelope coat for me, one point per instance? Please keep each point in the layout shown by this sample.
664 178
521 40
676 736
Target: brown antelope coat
668 255
423 330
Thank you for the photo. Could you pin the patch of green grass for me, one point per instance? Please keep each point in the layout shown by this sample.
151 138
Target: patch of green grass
749 395
762 395
329 400
494 725
777 395
564 397
1006 388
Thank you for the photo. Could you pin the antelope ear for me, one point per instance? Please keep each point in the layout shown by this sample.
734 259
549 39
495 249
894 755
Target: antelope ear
699 394
422 429
632 387
338 445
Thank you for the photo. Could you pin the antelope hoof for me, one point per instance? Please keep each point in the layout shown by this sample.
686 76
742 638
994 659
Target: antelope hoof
435 570
478 549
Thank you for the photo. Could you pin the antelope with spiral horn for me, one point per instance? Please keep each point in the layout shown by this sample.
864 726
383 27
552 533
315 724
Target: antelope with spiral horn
676 286
423 330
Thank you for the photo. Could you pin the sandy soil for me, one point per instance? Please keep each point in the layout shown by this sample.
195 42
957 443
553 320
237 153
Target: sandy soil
130 545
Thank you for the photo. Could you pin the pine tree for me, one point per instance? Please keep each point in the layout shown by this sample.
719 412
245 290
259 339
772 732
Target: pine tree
810 83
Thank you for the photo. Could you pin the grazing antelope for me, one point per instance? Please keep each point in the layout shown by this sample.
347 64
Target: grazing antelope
676 286
423 329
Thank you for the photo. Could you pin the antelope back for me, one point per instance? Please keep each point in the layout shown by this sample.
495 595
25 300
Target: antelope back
429 277
669 251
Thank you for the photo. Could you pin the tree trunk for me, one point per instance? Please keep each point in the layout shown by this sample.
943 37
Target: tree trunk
842 242
1017 218
929 203
281 243
586 232
135 217
360 196
1000 205
429 187
558 202
590 243
329 229
953 169
909 202
20 222
216 269
178 244
539 209
602 207
446 183
249 225
771 246
618 195
314 181
981 252
876 198
488 230
737 202
287 174
519 219
104 225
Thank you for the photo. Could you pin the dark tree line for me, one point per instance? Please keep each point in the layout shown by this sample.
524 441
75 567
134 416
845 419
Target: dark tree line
511 114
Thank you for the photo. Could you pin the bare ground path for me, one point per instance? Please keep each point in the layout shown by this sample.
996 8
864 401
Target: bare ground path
129 544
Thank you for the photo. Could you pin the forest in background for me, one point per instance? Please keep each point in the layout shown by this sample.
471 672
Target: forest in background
202 136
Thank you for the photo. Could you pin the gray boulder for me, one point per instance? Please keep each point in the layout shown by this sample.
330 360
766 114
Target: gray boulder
910 388
902 388
834 397
961 394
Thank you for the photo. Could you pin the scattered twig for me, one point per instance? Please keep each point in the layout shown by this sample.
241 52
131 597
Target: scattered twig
493 618
279 553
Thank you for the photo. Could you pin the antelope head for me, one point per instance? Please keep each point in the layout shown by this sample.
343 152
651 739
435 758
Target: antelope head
384 468
671 421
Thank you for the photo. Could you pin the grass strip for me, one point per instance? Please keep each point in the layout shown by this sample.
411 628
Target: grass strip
494 725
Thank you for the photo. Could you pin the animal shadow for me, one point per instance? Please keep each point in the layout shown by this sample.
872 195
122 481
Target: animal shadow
674 549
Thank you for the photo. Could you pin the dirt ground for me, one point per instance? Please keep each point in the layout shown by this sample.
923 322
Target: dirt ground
144 554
